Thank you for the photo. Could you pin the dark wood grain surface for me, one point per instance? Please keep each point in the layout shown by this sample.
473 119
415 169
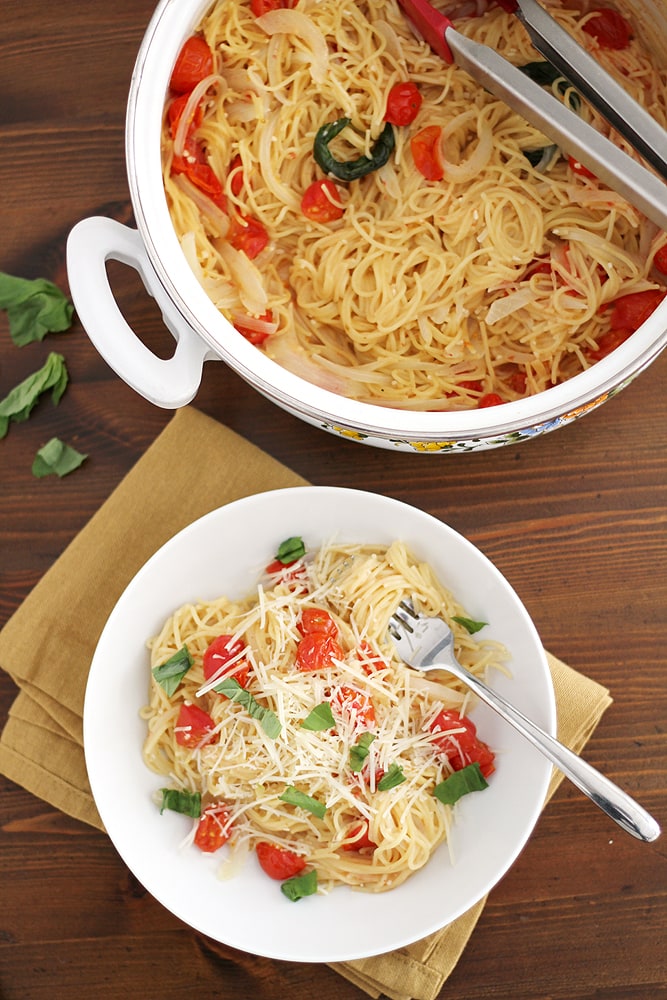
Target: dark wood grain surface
576 520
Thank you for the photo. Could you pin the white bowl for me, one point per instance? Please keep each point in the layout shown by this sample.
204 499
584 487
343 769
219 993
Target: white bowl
203 333
222 554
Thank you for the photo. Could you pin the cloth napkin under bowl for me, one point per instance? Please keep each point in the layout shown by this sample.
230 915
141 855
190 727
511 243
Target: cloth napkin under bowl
48 644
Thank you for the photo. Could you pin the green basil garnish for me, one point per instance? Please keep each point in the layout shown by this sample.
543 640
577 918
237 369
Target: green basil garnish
359 752
319 719
468 779
56 458
299 886
188 803
294 797
290 550
267 719
22 399
170 673
469 624
393 777
34 308
351 170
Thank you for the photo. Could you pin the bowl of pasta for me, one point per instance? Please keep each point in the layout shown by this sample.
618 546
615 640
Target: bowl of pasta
368 237
283 782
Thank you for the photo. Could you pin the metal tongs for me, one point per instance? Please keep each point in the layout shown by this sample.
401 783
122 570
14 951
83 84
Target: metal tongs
606 160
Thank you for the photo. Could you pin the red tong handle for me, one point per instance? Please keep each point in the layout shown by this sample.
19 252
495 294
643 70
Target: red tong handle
431 24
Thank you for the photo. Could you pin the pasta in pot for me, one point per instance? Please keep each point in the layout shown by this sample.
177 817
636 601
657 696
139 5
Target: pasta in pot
374 756
495 279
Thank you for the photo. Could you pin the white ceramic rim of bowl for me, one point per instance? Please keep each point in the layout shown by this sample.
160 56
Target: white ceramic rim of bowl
490 830
172 21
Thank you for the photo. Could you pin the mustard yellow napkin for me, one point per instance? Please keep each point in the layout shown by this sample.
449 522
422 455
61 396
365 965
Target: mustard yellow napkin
48 644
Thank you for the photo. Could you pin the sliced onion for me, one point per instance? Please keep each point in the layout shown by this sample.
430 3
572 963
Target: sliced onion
246 277
190 109
254 323
208 208
285 194
508 304
476 162
293 22
288 353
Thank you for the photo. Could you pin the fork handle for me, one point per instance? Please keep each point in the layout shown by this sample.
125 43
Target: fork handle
604 793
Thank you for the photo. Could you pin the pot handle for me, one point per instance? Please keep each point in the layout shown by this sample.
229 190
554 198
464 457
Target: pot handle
170 382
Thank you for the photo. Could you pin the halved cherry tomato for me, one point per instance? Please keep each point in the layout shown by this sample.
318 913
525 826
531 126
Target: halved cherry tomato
247 234
577 167
221 651
317 651
426 153
278 862
316 620
610 28
259 7
194 727
236 170
607 343
489 399
461 748
175 113
629 311
660 259
403 103
518 381
369 660
321 202
256 337
362 840
212 830
200 174
353 706
193 63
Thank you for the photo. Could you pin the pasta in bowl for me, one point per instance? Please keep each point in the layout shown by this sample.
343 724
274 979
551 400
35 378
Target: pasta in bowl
339 763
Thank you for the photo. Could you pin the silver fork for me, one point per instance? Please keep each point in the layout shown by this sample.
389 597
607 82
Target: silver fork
427 643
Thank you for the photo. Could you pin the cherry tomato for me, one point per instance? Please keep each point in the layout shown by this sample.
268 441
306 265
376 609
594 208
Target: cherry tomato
403 103
236 170
259 7
278 862
175 113
577 167
321 202
194 727
317 651
220 652
660 259
607 343
316 620
212 831
610 29
369 660
200 174
489 399
256 337
461 748
426 153
353 706
518 381
629 311
360 832
247 234
193 63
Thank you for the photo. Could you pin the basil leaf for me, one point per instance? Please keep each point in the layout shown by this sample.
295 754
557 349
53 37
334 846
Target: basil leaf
170 673
56 458
393 777
544 73
188 803
267 719
351 170
299 886
541 159
320 718
20 402
34 308
469 624
468 779
290 550
294 797
359 752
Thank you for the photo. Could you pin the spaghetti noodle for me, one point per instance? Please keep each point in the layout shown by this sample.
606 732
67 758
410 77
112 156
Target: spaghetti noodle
493 281
344 775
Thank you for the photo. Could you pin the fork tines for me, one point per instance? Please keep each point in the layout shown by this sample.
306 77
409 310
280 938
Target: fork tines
406 606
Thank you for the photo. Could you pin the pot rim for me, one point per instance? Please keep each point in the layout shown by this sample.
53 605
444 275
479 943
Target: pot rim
171 23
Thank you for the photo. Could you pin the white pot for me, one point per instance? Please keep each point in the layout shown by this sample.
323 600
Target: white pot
202 333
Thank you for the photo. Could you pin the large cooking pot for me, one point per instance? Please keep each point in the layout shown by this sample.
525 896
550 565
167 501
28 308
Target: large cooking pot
202 333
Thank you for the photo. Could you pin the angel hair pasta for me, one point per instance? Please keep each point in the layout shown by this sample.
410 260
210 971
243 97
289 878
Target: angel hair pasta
379 224
285 724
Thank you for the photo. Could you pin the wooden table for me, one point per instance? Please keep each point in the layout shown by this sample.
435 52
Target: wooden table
576 520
